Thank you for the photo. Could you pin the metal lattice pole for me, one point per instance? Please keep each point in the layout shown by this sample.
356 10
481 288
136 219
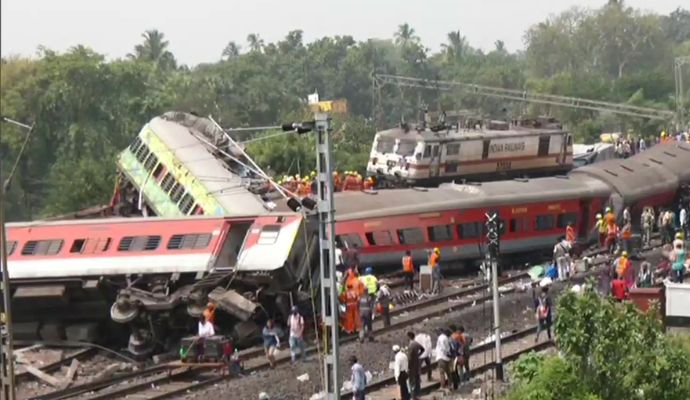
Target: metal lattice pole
329 292
6 356
493 237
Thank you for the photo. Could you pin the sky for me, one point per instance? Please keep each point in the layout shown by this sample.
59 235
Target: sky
198 30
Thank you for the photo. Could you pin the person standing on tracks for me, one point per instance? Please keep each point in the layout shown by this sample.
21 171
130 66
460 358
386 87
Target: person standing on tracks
678 258
611 237
383 300
600 226
646 279
434 259
466 347
271 342
647 224
210 313
358 379
400 372
296 325
683 220
408 269
455 356
542 304
619 289
370 283
570 234
366 314
425 340
626 236
350 318
443 357
624 269
627 218
560 258
414 353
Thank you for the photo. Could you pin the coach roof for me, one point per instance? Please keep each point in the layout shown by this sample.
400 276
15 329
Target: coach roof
356 205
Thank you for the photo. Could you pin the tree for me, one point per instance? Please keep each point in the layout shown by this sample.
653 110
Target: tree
609 351
255 43
406 35
456 46
154 49
231 50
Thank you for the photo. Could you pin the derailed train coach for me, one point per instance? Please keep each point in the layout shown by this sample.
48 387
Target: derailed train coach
384 224
89 279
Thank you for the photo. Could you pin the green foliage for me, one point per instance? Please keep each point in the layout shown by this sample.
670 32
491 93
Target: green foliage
607 351
87 109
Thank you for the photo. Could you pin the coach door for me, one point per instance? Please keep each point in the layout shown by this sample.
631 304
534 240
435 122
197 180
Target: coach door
435 162
584 220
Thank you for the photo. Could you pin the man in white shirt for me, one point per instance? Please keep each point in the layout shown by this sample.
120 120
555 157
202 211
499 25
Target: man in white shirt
683 214
443 357
296 324
400 372
425 340
206 329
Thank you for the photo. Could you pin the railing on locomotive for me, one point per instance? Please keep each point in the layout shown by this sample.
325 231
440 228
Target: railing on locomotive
394 156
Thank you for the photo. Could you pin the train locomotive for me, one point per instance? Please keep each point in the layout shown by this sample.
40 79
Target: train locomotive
469 150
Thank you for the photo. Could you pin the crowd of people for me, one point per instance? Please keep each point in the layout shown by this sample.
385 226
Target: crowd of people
626 146
342 181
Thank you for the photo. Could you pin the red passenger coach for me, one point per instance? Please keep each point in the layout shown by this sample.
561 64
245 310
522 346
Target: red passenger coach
387 223
120 247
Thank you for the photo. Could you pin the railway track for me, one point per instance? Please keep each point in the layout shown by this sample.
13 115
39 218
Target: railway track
56 365
161 382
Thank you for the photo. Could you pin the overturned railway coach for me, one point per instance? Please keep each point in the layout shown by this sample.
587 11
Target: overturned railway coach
150 275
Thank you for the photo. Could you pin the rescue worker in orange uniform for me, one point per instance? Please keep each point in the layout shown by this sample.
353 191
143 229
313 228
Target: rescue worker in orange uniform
352 280
369 183
337 182
624 269
408 269
626 236
611 236
350 319
610 217
570 234
433 261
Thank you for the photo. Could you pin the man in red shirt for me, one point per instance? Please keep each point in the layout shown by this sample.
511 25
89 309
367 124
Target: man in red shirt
619 289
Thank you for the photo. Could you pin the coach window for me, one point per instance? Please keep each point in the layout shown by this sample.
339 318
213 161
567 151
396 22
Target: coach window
90 245
42 247
269 234
440 233
142 153
519 224
564 219
453 149
158 171
176 192
427 151
198 210
185 205
379 238
544 222
139 243
469 230
410 236
135 145
350 240
167 182
485 149
11 246
150 162
189 241
543 149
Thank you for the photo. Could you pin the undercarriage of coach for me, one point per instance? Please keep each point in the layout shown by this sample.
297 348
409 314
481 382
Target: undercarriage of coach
162 311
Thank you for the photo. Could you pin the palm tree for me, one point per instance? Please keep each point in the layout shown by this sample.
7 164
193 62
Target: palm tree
500 46
255 42
405 35
455 48
232 50
154 49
